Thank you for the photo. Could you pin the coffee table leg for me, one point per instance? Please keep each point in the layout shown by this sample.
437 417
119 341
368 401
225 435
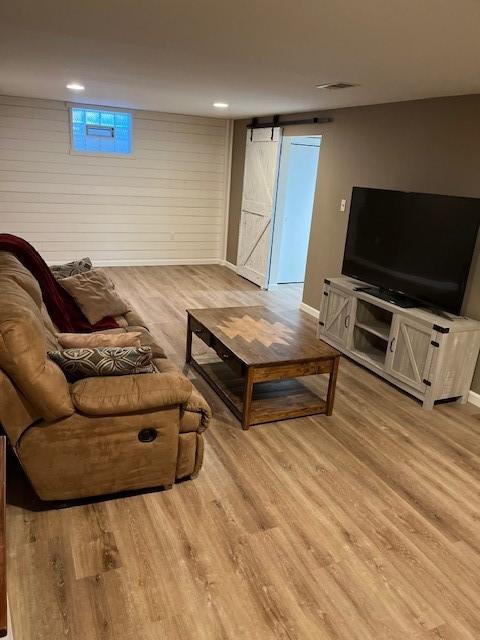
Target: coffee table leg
247 400
332 383
188 350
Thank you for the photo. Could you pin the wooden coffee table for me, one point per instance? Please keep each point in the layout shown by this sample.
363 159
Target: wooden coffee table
257 358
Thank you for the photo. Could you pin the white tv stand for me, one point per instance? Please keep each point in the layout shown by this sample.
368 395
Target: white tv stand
431 356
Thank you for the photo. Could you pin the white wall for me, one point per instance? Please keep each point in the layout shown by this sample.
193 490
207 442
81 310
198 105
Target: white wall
165 204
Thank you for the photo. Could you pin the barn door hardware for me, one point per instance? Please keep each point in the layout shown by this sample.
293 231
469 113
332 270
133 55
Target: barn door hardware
254 126
274 124
276 121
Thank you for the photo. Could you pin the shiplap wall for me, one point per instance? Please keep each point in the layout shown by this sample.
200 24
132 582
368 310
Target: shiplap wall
163 205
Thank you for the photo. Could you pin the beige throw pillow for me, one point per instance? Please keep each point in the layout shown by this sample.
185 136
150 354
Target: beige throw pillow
95 294
82 340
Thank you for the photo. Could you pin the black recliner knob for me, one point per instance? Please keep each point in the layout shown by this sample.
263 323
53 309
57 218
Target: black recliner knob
147 435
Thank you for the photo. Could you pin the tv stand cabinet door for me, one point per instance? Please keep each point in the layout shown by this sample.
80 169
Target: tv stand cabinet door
409 352
339 315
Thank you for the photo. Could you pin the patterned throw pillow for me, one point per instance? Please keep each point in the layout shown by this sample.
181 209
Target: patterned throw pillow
103 361
71 268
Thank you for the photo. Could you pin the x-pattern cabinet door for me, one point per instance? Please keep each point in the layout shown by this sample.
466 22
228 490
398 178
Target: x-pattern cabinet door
338 316
409 352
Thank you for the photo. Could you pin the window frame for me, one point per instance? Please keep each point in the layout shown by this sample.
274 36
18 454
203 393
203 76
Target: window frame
101 154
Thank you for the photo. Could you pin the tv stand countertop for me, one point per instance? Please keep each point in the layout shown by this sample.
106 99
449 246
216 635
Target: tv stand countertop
429 354
424 314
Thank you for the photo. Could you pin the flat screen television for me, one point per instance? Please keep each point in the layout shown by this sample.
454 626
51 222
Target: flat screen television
416 246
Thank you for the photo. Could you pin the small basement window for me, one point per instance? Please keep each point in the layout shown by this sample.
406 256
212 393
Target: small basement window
101 131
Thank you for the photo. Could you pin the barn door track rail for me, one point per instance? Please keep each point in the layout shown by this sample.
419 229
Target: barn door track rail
277 122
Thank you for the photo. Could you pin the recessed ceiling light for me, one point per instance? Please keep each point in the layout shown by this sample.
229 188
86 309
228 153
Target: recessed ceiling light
335 85
74 86
220 105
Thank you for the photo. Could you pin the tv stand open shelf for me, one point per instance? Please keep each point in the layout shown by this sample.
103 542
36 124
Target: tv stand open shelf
431 356
378 329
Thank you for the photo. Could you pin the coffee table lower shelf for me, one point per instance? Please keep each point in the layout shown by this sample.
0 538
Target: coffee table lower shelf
271 401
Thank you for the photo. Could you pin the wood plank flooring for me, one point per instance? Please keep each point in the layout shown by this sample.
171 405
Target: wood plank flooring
361 526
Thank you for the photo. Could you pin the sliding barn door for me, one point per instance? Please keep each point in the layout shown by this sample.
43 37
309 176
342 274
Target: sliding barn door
258 204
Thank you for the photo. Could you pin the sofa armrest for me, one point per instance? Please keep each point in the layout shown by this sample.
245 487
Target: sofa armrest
105 396
196 405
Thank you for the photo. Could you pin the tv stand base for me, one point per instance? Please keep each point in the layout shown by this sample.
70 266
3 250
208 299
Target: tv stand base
422 352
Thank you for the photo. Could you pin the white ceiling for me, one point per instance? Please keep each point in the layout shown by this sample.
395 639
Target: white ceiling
261 56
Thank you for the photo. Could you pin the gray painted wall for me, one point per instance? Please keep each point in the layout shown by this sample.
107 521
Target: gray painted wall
424 145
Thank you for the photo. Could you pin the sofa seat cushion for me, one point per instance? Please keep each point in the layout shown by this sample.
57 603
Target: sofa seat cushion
130 394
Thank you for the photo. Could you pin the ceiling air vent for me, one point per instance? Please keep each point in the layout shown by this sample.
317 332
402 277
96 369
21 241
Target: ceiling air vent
336 85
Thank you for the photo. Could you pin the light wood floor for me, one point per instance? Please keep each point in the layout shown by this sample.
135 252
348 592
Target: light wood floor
365 525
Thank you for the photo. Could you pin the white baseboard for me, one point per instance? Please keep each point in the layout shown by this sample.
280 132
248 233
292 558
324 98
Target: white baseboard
474 398
308 309
152 262
229 265
149 262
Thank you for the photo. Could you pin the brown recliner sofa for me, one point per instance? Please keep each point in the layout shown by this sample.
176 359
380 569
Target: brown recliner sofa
99 435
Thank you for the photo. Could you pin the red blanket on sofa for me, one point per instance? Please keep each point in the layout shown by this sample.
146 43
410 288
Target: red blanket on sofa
61 307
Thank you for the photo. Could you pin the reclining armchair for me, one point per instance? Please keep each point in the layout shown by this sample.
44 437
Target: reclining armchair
99 435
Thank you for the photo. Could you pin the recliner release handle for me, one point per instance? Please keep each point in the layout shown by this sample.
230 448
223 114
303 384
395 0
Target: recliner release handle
147 435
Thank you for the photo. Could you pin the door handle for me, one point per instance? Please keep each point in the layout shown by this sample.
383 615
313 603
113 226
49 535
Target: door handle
392 343
347 321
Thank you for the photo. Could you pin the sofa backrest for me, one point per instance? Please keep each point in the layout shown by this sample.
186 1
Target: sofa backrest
26 332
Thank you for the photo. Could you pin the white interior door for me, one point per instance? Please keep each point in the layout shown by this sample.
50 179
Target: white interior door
258 203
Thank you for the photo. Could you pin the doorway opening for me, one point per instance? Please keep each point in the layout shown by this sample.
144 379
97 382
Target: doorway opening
279 183
297 179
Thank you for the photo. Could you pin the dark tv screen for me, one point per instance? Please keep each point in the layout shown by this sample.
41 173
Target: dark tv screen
416 244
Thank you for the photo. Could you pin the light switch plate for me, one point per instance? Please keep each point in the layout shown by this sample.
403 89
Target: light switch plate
343 204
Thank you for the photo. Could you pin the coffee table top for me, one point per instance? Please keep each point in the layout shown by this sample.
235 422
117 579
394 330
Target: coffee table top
257 335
